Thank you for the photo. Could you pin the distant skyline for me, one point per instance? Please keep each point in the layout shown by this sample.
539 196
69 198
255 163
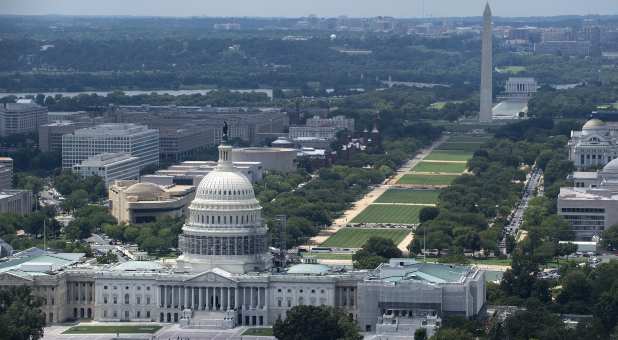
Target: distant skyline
297 8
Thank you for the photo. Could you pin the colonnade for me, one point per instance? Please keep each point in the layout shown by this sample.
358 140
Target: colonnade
215 298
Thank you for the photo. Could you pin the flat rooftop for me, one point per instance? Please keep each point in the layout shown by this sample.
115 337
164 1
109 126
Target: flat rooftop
398 270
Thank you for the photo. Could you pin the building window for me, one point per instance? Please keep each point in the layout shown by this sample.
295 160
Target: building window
115 299
104 299
138 299
104 313
104 287
147 300
126 299
148 314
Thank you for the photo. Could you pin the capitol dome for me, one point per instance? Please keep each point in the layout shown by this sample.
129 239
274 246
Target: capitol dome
224 228
224 186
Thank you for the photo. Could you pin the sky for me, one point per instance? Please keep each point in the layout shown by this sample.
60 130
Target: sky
297 8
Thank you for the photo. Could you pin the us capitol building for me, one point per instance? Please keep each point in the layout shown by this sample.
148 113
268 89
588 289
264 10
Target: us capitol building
224 278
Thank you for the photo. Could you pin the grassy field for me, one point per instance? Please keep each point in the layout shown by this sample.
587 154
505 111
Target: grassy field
427 179
379 213
409 196
356 237
266 331
460 146
112 329
449 156
456 168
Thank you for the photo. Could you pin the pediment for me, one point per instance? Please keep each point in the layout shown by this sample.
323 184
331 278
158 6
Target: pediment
214 276
15 278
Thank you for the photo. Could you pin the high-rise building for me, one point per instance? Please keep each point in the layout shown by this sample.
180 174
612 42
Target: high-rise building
137 140
22 117
485 113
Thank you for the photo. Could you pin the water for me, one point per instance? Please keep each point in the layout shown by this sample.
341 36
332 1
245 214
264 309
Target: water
268 92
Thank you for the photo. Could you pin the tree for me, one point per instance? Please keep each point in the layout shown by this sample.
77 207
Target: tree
316 323
420 334
375 251
20 314
77 199
428 213
609 238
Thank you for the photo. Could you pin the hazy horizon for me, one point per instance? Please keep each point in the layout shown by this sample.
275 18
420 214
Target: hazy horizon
322 8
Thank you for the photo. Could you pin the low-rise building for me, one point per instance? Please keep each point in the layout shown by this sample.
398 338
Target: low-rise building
271 159
192 172
22 117
16 202
177 144
110 167
591 206
135 202
50 135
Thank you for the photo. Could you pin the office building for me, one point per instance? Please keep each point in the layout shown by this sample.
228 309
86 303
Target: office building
6 173
50 135
178 144
110 167
137 140
17 202
22 117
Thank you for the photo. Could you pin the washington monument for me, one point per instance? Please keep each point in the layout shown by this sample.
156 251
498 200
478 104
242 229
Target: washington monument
486 68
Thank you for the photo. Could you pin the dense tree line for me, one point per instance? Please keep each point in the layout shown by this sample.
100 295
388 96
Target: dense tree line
157 237
489 193
578 102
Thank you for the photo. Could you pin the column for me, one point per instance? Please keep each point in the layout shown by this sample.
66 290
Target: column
219 297
236 304
229 298
164 299
207 298
192 297
183 297
161 295
259 299
251 296
200 298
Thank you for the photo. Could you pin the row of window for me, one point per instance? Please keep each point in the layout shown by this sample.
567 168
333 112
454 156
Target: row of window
138 314
301 290
127 299
584 210
208 219
205 245
127 288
